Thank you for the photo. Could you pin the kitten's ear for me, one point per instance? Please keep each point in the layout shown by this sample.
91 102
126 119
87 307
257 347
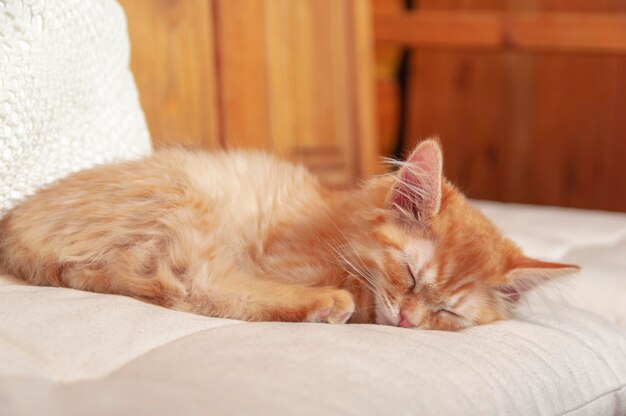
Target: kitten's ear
528 273
418 190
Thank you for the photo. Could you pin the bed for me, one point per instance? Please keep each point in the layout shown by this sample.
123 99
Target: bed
68 352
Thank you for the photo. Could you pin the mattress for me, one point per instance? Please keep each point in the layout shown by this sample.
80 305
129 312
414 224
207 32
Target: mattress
68 352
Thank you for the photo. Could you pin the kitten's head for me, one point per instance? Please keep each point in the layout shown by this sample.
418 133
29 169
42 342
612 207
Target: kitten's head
433 260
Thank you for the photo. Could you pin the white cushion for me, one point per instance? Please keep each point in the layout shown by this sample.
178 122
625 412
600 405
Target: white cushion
67 97
69 352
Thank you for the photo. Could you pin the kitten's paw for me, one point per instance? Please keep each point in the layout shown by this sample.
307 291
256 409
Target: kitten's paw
334 306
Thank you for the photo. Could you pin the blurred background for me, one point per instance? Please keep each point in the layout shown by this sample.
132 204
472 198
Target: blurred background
527 96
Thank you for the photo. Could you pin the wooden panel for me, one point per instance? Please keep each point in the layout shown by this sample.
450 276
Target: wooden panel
292 77
172 59
513 30
298 81
618 6
465 98
616 150
570 144
308 46
537 128
282 96
242 66
361 74
387 57
544 131
524 5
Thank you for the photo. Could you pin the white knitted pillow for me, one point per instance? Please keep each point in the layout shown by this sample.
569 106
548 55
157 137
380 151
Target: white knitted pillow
67 97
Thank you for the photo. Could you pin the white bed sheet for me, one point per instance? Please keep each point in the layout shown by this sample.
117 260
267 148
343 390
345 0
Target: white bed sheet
70 352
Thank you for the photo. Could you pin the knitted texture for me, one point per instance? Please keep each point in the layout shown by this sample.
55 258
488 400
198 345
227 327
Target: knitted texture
67 97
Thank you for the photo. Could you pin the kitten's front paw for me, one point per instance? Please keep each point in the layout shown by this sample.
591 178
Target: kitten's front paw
334 306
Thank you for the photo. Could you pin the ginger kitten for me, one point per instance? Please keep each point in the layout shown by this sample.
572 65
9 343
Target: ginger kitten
242 235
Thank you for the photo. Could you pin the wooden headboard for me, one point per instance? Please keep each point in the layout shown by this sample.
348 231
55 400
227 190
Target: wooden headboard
292 77
528 97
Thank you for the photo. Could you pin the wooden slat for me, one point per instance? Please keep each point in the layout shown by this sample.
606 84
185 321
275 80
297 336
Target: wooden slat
616 198
172 59
320 85
308 98
546 131
593 32
361 74
279 33
242 73
543 128
572 140
291 77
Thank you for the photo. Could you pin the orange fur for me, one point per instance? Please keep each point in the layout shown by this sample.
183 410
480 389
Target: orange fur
242 235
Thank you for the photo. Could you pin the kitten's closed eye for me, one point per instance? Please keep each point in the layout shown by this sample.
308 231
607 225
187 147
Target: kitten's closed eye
442 309
413 284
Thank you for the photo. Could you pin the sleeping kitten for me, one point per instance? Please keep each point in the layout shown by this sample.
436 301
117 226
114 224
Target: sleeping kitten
241 235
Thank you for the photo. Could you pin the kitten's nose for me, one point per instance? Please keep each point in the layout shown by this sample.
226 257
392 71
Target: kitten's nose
404 321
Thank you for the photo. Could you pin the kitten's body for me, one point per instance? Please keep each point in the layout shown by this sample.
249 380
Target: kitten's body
242 235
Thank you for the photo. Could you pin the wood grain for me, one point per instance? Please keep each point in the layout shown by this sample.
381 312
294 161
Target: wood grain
243 73
172 58
291 77
545 128
535 31
362 99
307 42
616 149
387 60
574 142
302 90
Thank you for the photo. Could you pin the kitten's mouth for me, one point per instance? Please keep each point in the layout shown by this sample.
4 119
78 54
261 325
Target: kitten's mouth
405 322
